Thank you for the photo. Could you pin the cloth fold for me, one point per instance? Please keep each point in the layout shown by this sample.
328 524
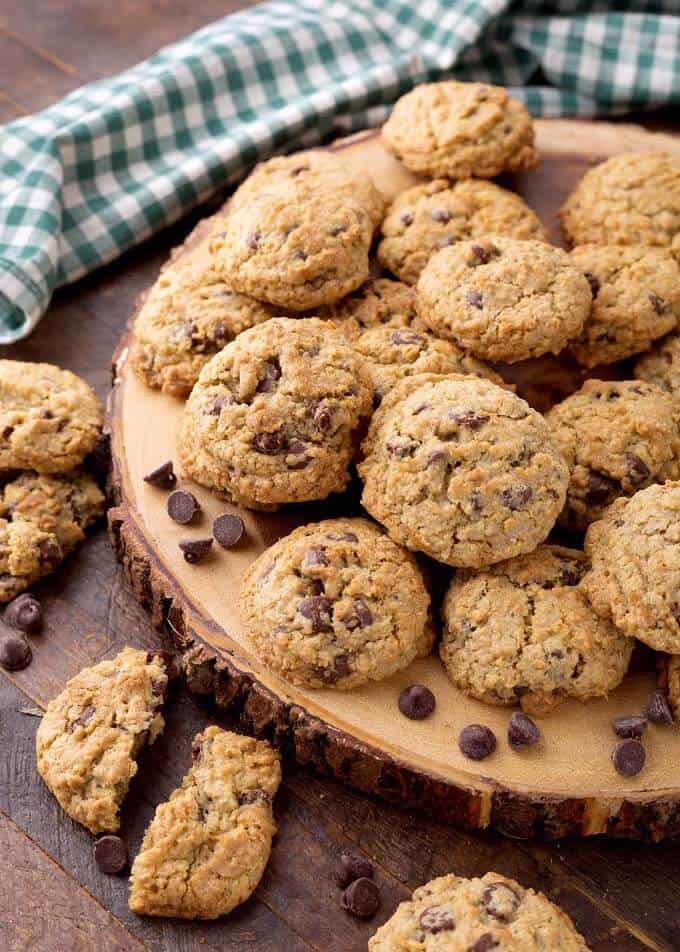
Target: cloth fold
119 159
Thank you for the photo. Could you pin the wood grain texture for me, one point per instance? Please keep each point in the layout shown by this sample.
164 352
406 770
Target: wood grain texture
624 897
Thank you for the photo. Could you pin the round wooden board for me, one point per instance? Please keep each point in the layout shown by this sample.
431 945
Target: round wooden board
567 786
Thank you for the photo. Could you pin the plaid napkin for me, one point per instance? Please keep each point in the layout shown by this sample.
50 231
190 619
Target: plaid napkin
117 160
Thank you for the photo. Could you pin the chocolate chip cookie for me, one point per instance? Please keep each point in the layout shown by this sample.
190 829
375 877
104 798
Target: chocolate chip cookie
462 470
207 846
452 914
661 365
631 199
26 554
378 302
336 604
616 436
427 217
635 299
503 299
457 130
49 418
88 741
189 314
635 576
295 249
273 417
521 632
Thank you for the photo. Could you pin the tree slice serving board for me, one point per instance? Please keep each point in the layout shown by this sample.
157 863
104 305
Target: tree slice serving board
565 786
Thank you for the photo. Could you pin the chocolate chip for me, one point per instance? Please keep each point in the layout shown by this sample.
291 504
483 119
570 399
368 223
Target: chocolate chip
441 215
337 230
24 612
318 609
217 405
500 901
483 255
571 573
632 726
351 867
360 616
517 497
628 757
406 337
484 943
195 550
436 456
182 506
111 854
638 470
228 530
253 239
658 710
657 303
163 477
339 670
298 170
298 449
316 556
301 255
473 421
256 795
477 741
272 373
594 283
522 732
407 219
475 299
15 653
269 443
416 702
322 418
436 919
83 718
361 898
600 489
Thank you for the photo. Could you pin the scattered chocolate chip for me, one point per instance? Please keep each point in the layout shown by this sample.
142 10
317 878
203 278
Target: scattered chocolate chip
632 726
477 741
322 418
15 653
83 718
638 470
475 299
473 421
301 255
182 506
594 283
441 215
406 337
298 170
416 702
483 255
351 867
628 757
360 616
111 854
195 549
600 489
658 709
228 530
253 239
361 898
436 919
500 901
318 609
484 943
337 230
339 670
407 219
316 556
522 732
255 795
269 443
272 373
298 449
217 405
24 612
476 504
517 497
657 303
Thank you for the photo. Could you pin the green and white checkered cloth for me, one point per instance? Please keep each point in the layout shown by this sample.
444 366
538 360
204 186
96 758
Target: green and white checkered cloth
117 160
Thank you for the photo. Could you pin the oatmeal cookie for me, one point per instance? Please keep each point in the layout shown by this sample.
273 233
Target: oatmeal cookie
336 604
427 217
503 299
635 555
49 418
462 470
616 436
631 199
294 249
88 741
661 365
635 299
669 681
522 632
457 130
26 554
379 302
452 914
207 846
273 417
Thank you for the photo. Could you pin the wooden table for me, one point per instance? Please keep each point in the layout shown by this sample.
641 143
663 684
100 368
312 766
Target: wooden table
623 896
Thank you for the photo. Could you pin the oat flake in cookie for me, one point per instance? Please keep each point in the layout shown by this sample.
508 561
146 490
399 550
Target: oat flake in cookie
634 550
452 914
207 846
458 130
273 417
49 418
522 632
503 299
336 604
427 217
88 741
462 470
